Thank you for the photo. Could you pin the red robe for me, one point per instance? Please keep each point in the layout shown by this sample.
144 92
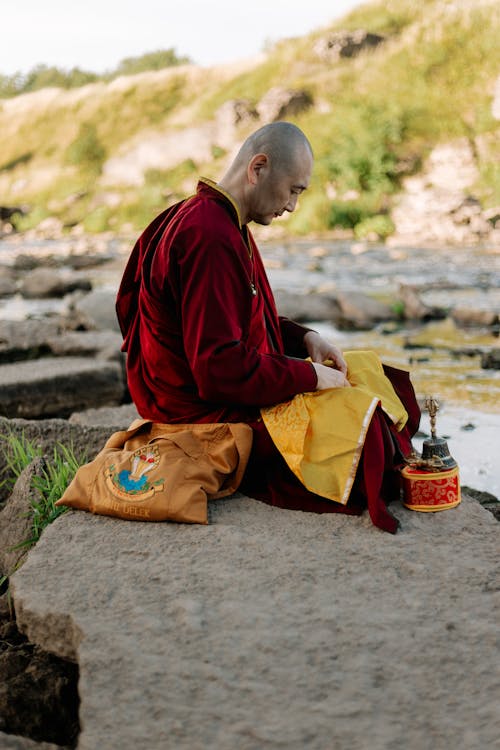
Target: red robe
203 339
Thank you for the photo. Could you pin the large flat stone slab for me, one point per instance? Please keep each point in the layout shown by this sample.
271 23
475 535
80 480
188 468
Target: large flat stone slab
58 386
271 629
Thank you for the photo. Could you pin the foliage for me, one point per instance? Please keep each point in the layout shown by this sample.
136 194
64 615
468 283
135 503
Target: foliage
87 151
375 117
378 226
18 453
363 153
51 484
149 61
43 76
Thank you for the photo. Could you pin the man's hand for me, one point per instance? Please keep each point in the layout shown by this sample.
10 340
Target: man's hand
320 350
329 377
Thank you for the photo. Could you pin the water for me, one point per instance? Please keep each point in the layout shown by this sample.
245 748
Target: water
444 360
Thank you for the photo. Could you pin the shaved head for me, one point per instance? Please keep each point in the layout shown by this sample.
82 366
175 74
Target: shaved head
282 142
271 169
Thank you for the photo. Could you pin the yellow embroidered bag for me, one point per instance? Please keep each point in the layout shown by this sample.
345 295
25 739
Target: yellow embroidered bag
159 472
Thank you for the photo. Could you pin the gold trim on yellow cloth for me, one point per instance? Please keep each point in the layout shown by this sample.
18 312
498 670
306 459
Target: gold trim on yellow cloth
321 434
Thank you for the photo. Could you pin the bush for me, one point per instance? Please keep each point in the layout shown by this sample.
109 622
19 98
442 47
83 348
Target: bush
86 151
379 225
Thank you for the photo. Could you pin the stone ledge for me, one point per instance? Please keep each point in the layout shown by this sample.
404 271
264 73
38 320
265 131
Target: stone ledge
271 628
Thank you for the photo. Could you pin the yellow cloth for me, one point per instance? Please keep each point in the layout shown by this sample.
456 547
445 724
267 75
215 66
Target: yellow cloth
321 434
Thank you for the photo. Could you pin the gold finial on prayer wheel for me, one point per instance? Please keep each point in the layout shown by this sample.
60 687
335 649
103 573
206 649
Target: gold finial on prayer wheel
434 449
432 405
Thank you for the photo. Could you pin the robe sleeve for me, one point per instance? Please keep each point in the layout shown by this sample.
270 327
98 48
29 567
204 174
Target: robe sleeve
293 334
217 307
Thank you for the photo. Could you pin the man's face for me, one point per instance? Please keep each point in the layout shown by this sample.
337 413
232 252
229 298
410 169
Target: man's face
277 191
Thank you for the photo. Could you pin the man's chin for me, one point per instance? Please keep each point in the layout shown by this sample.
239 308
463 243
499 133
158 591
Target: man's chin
263 220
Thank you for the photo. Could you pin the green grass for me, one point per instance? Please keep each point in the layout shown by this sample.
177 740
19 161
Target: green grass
57 473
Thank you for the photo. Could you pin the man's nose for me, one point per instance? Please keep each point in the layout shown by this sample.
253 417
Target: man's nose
292 203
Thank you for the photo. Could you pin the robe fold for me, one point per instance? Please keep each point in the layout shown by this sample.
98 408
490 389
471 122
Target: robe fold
205 343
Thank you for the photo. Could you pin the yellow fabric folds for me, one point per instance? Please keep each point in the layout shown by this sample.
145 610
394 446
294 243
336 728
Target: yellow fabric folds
321 434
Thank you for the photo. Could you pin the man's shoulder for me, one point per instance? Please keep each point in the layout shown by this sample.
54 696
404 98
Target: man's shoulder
202 218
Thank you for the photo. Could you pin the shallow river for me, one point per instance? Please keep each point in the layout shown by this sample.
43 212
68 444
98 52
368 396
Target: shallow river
439 362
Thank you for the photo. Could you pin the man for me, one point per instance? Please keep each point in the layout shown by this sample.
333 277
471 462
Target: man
203 338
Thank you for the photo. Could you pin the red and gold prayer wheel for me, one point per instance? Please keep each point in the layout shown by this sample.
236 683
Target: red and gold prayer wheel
431 482
430 490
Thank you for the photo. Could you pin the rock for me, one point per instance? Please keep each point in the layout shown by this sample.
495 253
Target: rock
104 345
26 339
38 694
358 311
163 150
237 634
306 307
346 44
43 283
50 228
16 518
436 206
16 742
8 286
466 317
470 213
121 417
491 360
280 103
29 261
97 310
58 386
486 499
7 212
415 308
236 112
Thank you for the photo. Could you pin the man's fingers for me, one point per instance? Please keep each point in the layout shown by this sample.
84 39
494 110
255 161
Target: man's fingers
328 377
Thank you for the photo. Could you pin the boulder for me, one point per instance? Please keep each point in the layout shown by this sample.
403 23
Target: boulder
236 112
240 633
359 312
280 103
17 742
96 310
470 318
491 360
436 206
44 282
8 286
38 693
16 518
121 417
104 344
415 308
7 212
26 339
346 44
29 261
58 386
306 307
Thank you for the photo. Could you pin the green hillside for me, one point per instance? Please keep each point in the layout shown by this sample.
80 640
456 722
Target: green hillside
373 119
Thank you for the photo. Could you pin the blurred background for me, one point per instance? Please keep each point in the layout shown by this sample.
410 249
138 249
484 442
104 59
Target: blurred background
109 112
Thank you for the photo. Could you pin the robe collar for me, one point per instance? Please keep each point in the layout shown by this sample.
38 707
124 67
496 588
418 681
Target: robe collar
213 187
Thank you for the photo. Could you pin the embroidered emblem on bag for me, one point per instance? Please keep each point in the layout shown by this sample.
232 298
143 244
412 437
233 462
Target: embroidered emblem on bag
133 485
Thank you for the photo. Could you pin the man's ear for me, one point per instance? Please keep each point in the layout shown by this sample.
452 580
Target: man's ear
255 166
